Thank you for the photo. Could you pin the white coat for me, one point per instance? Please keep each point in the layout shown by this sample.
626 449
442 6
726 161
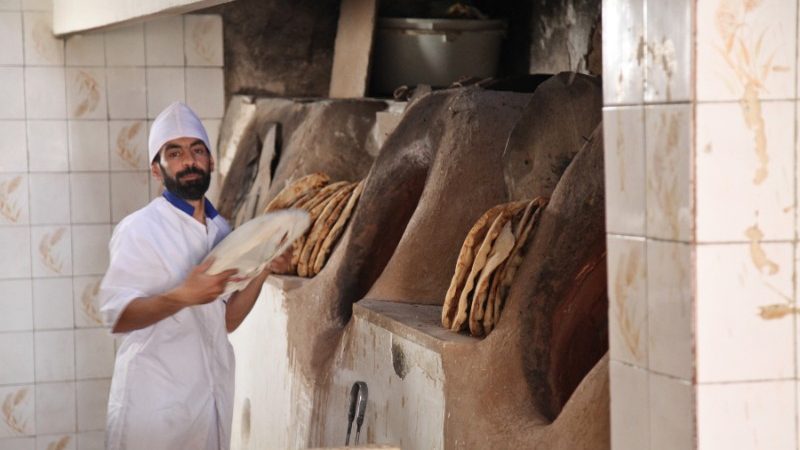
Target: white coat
173 381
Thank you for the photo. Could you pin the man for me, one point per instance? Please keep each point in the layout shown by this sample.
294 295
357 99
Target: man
173 378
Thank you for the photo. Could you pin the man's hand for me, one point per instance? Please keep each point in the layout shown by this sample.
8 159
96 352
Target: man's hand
199 287
280 264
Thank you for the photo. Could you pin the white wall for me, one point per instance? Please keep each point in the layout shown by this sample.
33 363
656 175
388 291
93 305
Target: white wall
75 16
701 141
73 119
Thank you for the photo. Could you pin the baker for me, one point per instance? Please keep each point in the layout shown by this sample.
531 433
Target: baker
172 386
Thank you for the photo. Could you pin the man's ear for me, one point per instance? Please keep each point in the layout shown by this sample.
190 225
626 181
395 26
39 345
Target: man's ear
155 170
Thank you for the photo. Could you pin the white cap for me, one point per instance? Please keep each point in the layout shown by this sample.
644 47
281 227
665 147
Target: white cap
175 121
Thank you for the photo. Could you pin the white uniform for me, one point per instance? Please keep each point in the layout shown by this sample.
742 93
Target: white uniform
173 381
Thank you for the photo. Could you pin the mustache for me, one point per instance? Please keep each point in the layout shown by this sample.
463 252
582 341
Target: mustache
190 171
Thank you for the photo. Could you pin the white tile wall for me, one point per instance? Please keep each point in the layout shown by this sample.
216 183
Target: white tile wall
73 118
51 250
129 192
630 407
16 305
670 308
164 41
164 86
671 428
55 355
13 146
668 51
52 304
746 46
746 415
91 248
37 5
623 51
19 444
55 407
47 146
125 46
91 440
45 93
14 207
625 169
733 336
205 91
90 197
58 441
127 93
746 166
720 138
10 5
86 304
128 145
12 91
94 353
16 352
15 241
88 145
92 402
627 310
669 171
11 37
203 43
85 50
20 419
41 47
49 194
86 93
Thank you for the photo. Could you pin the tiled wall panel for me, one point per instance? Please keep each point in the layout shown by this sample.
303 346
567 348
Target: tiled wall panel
719 91
73 163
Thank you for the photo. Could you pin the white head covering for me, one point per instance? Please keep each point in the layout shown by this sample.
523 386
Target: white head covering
175 121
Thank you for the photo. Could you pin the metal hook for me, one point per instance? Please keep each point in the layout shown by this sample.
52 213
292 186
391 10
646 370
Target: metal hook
358 406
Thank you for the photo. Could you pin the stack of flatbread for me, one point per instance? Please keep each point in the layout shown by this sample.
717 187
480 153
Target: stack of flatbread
329 205
489 258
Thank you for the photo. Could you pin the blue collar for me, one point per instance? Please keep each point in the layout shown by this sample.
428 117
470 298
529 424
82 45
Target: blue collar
184 206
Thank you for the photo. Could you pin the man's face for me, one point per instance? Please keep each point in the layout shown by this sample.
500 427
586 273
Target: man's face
184 165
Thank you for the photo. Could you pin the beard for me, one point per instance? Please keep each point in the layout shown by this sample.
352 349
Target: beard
189 189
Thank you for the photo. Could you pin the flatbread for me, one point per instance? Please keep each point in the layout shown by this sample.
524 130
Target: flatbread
318 203
291 192
520 223
500 251
253 245
321 211
304 198
327 223
464 263
297 248
506 277
338 228
462 310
